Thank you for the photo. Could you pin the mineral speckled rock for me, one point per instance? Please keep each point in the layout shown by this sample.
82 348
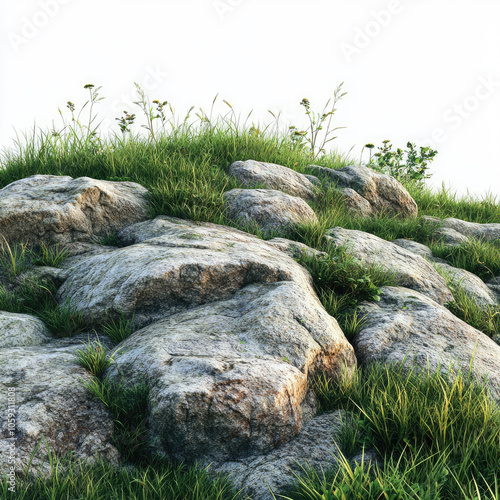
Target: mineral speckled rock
272 211
52 404
18 330
231 378
407 323
251 173
59 209
411 270
384 193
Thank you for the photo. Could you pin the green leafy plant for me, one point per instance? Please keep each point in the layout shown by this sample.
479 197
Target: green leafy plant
94 358
50 256
14 260
412 168
316 137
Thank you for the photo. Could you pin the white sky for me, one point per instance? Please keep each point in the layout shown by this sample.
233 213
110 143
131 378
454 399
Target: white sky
414 70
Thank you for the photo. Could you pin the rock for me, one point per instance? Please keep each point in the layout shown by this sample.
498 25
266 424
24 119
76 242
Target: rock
474 229
41 274
271 211
19 330
294 249
314 447
251 173
431 221
449 236
230 378
59 209
384 193
188 265
407 323
417 248
473 286
411 270
51 404
356 203
494 286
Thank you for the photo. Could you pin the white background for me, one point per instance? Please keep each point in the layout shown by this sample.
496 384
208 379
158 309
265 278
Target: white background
425 71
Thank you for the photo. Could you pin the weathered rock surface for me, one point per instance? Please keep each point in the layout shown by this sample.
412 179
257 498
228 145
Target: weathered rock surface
356 203
230 378
384 193
272 176
411 270
189 265
59 209
473 286
18 330
494 286
272 211
51 404
474 229
314 447
449 236
406 322
418 248
294 249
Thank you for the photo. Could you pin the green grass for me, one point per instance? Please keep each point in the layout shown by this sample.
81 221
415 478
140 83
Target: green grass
439 435
481 258
72 480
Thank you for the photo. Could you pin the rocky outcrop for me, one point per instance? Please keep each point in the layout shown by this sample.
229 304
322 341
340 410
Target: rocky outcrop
18 330
449 237
494 286
355 203
189 265
272 211
407 323
384 193
315 448
59 209
51 406
271 176
410 270
417 248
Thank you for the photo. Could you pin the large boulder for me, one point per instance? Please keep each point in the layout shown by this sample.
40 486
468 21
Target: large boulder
315 448
411 270
271 176
52 408
18 330
272 211
59 209
231 378
384 193
494 285
408 324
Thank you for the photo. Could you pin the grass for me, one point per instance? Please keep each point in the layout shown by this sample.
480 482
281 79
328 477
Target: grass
440 437
70 479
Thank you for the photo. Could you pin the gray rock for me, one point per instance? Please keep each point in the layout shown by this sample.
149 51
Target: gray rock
251 173
231 378
494 286
384 193
314 448
411 270
449 236
474 229
54 209
188 265
272 211
294 249
40 274
51 405
407 323
356 203
432 221
473 286
415 247
18 330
